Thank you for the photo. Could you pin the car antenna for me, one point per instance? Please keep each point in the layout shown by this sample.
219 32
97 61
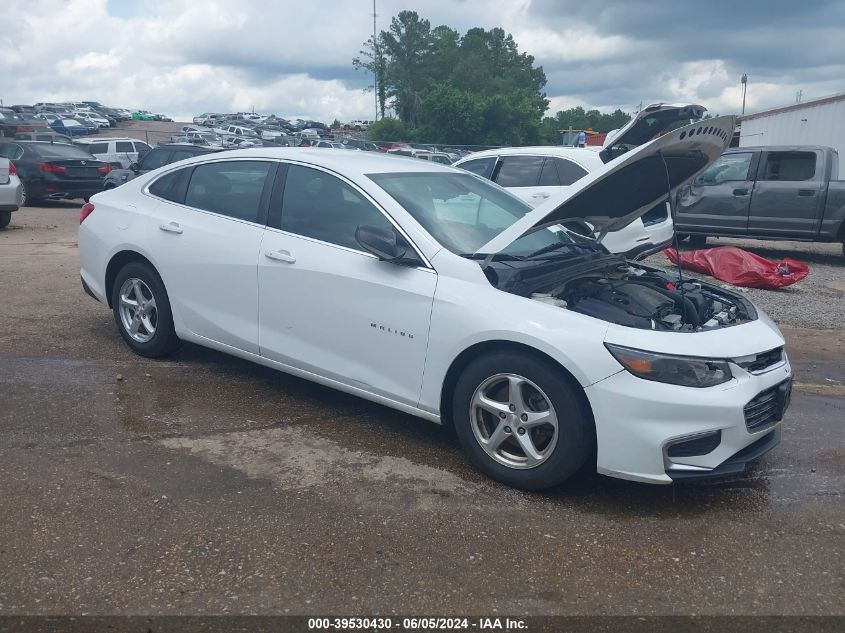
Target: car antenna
675 241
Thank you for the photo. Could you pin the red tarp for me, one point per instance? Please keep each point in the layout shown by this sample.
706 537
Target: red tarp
741 268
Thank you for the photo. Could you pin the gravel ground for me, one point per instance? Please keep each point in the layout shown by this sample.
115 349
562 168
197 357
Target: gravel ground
817 302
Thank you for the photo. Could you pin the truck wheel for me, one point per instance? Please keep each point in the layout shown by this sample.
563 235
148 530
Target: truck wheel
520 421
5 218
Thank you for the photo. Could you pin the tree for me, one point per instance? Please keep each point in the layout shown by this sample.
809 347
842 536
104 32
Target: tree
578 119
372 61
388 130
448 88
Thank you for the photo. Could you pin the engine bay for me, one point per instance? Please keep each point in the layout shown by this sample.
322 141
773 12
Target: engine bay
630 294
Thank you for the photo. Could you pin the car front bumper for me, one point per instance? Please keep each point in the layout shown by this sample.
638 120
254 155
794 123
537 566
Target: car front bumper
639 421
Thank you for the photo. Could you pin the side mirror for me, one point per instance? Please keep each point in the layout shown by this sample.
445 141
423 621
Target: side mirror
135 167
384 243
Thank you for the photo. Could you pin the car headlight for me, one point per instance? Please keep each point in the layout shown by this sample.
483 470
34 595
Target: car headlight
688 371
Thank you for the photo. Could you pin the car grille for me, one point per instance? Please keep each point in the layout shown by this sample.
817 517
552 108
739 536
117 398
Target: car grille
763 361
767 407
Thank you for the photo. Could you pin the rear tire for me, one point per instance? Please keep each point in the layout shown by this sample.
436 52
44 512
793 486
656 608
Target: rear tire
5 218
142 311
503 399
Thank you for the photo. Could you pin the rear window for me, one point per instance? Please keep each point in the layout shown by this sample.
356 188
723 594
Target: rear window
155 159
790 166
11 150
60 151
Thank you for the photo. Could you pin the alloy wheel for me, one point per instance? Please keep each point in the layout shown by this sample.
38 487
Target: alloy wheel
514 421
138 311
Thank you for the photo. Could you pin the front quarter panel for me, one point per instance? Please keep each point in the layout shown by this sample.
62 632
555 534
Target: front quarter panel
468 310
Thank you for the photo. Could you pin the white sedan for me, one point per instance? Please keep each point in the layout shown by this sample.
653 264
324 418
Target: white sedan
538 174
437 293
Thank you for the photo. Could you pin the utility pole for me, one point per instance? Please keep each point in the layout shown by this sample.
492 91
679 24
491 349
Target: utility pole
375 60
744 82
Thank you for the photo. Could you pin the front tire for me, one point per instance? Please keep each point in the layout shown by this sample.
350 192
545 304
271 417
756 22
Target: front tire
142 311
5 218
521 421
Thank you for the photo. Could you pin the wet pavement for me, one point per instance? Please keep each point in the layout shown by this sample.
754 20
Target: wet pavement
204 484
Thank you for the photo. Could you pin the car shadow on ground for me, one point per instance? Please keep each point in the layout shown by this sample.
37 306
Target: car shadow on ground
364 426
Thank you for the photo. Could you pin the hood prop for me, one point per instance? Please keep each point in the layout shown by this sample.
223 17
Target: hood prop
675 240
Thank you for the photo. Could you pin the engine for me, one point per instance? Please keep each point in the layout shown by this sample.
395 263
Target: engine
650 299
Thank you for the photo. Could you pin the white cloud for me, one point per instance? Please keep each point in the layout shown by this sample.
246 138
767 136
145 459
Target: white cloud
294 58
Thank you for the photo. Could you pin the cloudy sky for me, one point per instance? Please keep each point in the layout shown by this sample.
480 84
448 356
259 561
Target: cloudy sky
293 58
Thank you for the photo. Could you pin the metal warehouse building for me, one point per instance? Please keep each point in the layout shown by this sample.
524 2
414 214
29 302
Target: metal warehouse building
815 122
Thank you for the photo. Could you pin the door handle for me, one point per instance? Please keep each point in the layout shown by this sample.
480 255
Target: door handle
740 192
806 192
171 227
280 256
540 195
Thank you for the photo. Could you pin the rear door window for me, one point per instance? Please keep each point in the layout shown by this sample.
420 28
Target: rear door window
549 177
520 171
230 188
790 166
480 166
97 148
568 172
123 147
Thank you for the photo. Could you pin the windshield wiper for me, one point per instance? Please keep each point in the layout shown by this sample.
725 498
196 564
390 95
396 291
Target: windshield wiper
554 247
492 256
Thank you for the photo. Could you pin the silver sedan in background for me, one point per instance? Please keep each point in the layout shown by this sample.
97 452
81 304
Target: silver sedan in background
10 191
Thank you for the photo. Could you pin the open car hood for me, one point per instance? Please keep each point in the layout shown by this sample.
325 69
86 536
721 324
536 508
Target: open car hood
618 193
649 122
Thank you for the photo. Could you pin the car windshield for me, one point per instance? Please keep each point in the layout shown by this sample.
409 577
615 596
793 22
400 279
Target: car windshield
62 151
464 212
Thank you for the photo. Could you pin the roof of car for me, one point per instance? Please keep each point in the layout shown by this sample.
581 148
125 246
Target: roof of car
574 153
100 139
347 163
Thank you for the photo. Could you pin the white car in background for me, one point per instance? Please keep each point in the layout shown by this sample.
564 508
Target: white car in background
538 174
437 293
121 150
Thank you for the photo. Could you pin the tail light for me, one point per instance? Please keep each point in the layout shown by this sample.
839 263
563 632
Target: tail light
85 211
12 169
51 167
104 169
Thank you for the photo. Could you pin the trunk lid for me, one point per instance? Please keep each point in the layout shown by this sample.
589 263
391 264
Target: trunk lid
630 185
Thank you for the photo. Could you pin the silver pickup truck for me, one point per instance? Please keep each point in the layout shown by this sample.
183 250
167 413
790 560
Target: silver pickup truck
775 193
